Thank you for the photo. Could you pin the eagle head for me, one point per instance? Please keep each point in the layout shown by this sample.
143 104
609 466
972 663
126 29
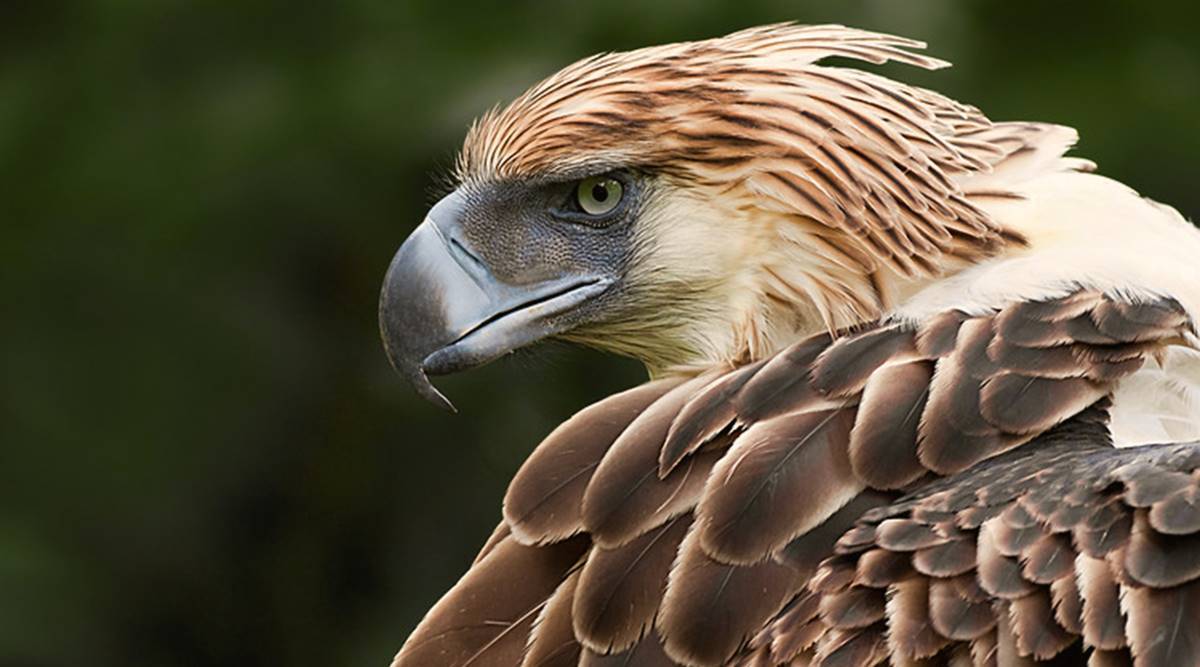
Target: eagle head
691 204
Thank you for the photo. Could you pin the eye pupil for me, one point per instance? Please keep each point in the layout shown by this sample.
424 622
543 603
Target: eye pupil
599 195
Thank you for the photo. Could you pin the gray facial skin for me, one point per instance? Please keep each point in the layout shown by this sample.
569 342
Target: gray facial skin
495 268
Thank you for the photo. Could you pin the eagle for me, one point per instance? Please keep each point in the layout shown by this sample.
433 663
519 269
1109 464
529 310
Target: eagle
923 390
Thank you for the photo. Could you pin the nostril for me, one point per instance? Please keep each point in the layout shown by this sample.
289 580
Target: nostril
462 251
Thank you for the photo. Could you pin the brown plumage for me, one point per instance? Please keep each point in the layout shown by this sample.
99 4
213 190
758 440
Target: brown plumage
850 478
708 585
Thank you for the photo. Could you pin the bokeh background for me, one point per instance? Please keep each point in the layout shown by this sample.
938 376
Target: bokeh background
204 458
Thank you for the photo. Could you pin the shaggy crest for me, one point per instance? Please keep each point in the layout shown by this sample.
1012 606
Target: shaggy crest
848 153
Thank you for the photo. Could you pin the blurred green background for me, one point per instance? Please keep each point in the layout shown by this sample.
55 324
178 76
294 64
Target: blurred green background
205 457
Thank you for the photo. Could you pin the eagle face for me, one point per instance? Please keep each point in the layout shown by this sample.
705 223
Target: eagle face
613 256
599 257
691 205
496 266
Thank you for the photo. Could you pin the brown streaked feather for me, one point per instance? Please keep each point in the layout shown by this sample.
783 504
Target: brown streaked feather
711 608
552 641
1103 622
1162 626
910 630
625 497
1037 632
544 499
782 385
805 553
780 479
620 589
955 615
1161 561
487 617
883 450
646 653
844 367
709 413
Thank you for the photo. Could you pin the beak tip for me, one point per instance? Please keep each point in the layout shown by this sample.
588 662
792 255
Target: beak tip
422 385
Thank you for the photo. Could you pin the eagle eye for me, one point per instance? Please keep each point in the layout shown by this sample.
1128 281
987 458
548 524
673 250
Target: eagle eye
599 195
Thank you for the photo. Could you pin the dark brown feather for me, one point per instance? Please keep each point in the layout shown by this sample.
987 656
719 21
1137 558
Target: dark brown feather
486 618
854 649
782 385
1102 658
1179 514
853 608
946 560
1133 322
910 630
883 442
625 496
704 416
805 553
1103 623
500 532
711 608
780 479
936 338
1038 633
545 496
1164 625
1161 561
843 368
999 575
1022 405
954 615
647 653
983 650
620 588
552 641
1068 606
1048 559
907 535
1047 362
1146 483
880 567
1100 541
796 628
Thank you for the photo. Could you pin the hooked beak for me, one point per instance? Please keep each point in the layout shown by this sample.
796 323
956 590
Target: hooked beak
442 310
